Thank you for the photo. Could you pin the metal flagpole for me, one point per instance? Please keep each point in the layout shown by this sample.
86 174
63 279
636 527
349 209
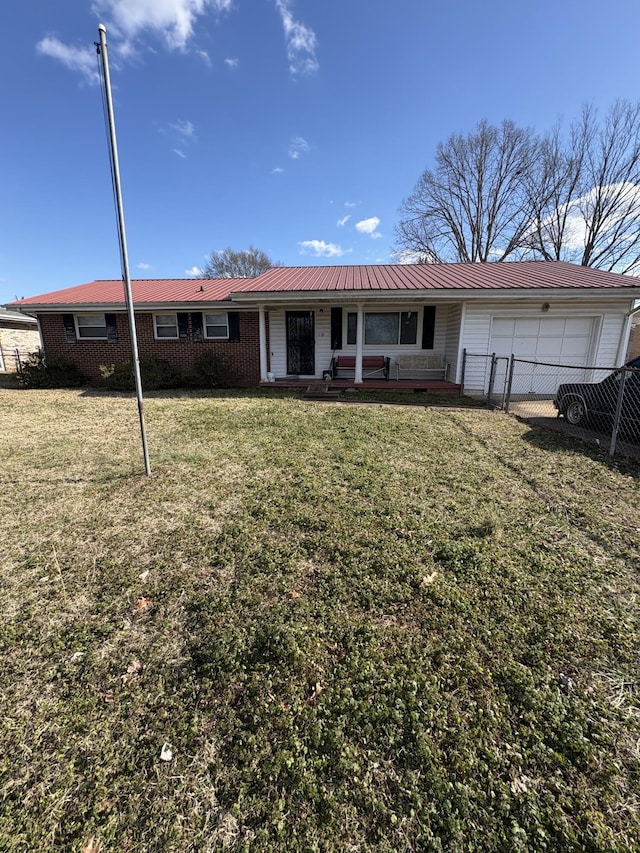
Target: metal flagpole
113 149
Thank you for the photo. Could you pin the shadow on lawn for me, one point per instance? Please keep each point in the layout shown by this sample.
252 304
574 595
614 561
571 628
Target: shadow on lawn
556 434
71 481
192 393
362 396
559 443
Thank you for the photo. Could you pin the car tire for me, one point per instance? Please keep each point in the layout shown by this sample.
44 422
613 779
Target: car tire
575 412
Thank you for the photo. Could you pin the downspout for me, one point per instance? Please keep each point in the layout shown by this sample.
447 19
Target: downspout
461 342
40 332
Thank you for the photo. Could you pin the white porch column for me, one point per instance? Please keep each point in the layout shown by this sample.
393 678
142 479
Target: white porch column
359 339
263 343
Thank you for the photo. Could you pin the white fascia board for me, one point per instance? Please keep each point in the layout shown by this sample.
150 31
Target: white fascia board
415 295
18 317
147 307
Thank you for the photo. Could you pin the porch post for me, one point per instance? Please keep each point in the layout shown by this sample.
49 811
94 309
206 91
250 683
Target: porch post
359 339
263 343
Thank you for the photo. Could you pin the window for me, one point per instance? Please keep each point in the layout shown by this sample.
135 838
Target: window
381 328
91 326
216 326
385 328
165 326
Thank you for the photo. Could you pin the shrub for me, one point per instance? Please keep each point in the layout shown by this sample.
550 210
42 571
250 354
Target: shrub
54 371
212 371
156 373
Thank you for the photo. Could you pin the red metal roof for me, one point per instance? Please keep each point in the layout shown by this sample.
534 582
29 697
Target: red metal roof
147 291
515 275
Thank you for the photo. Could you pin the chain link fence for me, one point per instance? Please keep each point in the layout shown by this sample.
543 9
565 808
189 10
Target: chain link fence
599 404
12 359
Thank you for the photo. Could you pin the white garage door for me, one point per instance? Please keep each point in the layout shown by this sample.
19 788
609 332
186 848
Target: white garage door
559 340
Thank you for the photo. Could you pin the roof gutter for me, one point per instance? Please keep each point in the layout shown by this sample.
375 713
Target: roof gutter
421 295
82 307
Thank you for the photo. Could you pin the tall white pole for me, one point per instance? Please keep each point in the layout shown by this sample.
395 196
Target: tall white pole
357 379
113 148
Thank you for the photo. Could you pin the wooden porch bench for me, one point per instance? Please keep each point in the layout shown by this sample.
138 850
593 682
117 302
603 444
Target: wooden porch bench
371 364
431 364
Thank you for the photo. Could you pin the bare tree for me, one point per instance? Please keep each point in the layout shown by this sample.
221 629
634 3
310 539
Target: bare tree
585 193
244 264
474 205
610 208
553 182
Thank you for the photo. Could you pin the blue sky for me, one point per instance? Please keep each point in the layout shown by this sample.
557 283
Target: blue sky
295 125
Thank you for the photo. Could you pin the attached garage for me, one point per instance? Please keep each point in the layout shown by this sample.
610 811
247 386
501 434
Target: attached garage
559 340
568 340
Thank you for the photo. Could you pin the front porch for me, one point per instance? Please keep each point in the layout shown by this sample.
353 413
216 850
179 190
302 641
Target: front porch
406 386
301 343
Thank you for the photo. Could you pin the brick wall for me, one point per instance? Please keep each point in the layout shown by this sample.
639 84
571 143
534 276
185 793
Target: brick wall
243 356
15 336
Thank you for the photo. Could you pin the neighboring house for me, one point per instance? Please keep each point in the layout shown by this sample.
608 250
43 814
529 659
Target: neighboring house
291 321
633 350
19 337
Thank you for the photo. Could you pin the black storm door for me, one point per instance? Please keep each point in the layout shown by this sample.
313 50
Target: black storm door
300 343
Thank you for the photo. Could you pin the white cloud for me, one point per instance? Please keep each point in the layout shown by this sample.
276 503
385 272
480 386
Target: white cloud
351 203
82 59
297 147
175 23
143 266
301 41
277 171
172 20
185 129
369 226
408 256
343 221
320 249
194 272
622 199
182 134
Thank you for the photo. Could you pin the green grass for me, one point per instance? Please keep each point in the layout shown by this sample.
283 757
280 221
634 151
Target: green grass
366 628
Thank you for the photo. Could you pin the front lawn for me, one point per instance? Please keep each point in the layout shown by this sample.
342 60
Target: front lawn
349 628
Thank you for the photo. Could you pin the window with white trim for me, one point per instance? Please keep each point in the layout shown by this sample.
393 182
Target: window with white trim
216 326
91 327
385 328
165 326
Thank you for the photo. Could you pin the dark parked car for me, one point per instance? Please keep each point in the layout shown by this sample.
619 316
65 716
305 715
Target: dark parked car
593 404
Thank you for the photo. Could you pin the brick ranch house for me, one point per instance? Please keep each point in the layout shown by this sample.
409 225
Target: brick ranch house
291 321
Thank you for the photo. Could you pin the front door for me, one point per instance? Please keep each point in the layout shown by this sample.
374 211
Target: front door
300 343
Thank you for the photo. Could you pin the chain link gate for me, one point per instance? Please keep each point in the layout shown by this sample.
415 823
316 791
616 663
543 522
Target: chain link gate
598 404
